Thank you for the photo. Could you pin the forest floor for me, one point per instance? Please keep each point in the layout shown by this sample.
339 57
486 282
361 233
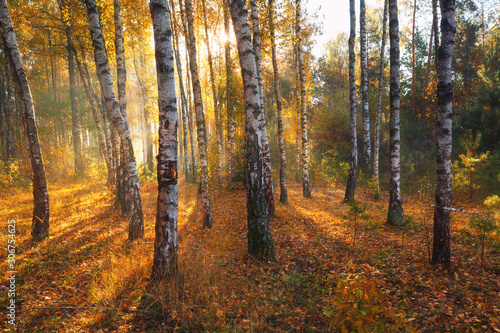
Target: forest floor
331 273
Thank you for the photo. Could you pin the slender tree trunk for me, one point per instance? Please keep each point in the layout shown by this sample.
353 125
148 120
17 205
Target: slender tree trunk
413 92
281 142
218 124
436 30
121 78
306 187
395 213
260 242
376 154
183 96
95 107
165 253
353 169
200 116
268 176
297 106
427 75
136 225
367 147
231 124
41 212
441 251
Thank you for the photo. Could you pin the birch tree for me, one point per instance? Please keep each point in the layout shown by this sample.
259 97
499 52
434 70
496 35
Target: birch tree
364 85
353 166
260 242
200 116
306 187
268 176
136 225
165 247
395 213
376 154
281 142
41 211
441 252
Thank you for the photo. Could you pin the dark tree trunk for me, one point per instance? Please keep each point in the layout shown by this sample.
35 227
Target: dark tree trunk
200 116
395 213
41 212
260 242
353 169
441 251
165 253
281 142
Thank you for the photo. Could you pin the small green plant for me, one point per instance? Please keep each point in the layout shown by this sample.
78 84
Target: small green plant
484 225
356 209
360 306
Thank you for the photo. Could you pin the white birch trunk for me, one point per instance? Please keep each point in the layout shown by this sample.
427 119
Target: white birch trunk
364 86
268 176
136 224
376 154
231 124
441 251
41 211
165 253
353 168
395 212
306 186
260 242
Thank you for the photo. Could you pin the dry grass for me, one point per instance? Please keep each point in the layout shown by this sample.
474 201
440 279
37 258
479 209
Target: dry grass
87 277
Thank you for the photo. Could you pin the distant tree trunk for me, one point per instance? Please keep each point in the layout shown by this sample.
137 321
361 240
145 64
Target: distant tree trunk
268 176
53 69
93 101
260 242
376 154
231 124
165 253
427 74
183 96
121 79
353 169
395 213
436 29
306 187
413 106
367 147
441 252
190 114
41 212
200 116
297 106
218 124
136 225
281 142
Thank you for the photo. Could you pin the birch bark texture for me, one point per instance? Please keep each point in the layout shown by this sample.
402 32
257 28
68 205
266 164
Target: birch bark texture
268 176
395 212
376 153
353 164
363 43
281 142
136 224
165 247
260 242
200 116
41 211
306 186
441 251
